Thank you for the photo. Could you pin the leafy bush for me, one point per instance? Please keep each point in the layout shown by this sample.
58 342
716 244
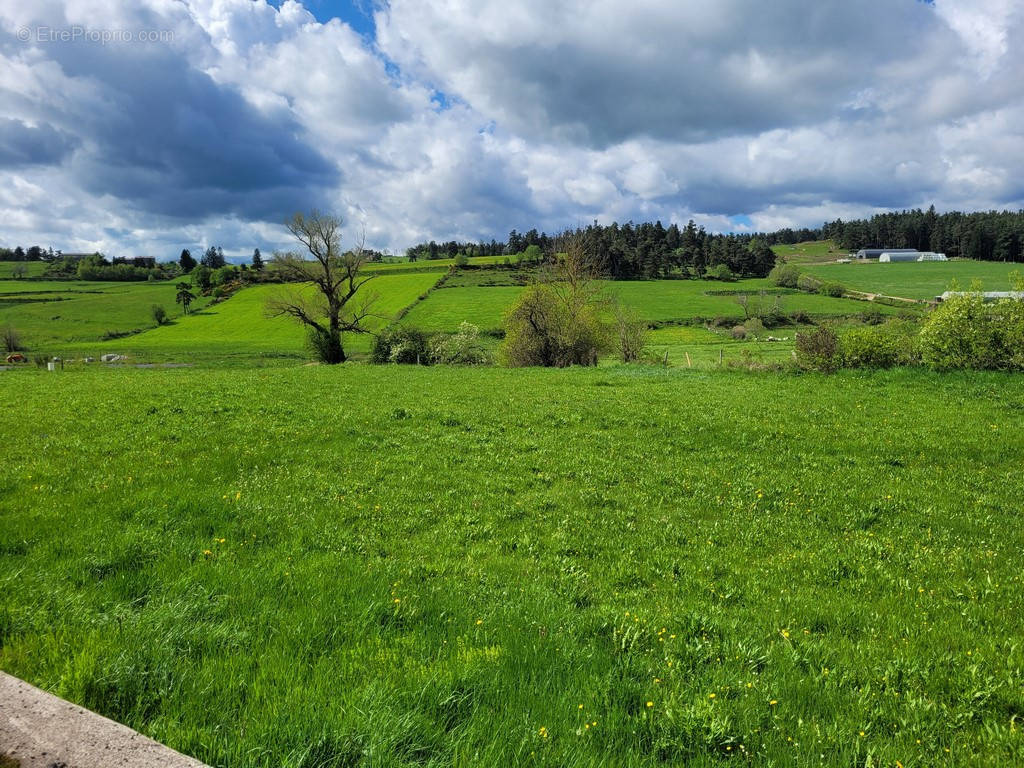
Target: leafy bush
785 275
965 332
880 346
808 283
720 272
542 329
159 314
831 288
460 348
11 339
461 260
754 325
399 344
739 332
631 334
871 316
818 350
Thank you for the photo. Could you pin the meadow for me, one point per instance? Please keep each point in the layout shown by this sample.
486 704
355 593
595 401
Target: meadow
813 252
241 329
50 314
913 280
625 566
655 301
76 318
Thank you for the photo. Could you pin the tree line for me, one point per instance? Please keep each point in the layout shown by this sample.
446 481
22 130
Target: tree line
630 251
986 236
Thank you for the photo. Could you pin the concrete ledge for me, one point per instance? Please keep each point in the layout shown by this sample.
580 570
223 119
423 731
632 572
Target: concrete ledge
40 730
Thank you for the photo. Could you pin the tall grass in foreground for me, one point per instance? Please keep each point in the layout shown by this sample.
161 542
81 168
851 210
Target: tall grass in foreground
611 567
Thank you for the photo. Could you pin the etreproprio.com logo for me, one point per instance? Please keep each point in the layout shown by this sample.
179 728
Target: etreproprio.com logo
78 34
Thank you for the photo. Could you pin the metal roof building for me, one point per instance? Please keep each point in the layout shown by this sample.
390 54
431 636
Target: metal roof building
874 253
890 256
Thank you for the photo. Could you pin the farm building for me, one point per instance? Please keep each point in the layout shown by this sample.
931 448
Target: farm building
985 295
890 256
874 253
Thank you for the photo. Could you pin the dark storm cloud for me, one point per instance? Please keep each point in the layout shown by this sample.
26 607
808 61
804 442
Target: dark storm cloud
165 138
22 144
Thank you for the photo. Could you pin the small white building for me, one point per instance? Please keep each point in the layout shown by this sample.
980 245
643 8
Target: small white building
890 256
986 296
874 253
894 256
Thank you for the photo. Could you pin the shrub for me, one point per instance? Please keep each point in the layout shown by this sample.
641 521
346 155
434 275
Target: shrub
738 332
785 275
965 332
800 317
631 334
401 345
159 314
831 288
460 348
461 260
754 325
543 329
818 350
11 339
871 316
880 346
808 283
720 272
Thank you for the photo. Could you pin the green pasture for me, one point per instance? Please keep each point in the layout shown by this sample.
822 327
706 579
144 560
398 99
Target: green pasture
918 280
811 252
656 301
52 314
624 566
240 326
32 268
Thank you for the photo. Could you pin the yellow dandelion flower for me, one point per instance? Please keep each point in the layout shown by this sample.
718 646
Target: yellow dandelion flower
650 704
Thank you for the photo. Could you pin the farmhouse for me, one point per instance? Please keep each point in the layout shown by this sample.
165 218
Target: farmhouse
874 253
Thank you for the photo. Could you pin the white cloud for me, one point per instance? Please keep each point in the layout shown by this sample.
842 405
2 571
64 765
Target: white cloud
558 113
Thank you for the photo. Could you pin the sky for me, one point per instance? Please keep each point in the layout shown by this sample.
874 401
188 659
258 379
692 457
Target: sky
146 126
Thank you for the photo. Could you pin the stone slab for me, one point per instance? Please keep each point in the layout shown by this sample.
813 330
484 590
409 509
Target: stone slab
40 730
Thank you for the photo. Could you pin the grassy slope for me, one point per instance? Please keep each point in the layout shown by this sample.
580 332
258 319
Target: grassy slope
918 281
699 565
239 327
661 300
810 252
81 311
34 268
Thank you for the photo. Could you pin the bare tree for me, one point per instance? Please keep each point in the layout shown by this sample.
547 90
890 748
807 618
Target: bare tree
331 309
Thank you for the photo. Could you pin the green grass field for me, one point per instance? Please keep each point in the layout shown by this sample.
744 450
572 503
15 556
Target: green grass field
398 566
654 300
811 252
72 317
924 280
32 268
51 314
